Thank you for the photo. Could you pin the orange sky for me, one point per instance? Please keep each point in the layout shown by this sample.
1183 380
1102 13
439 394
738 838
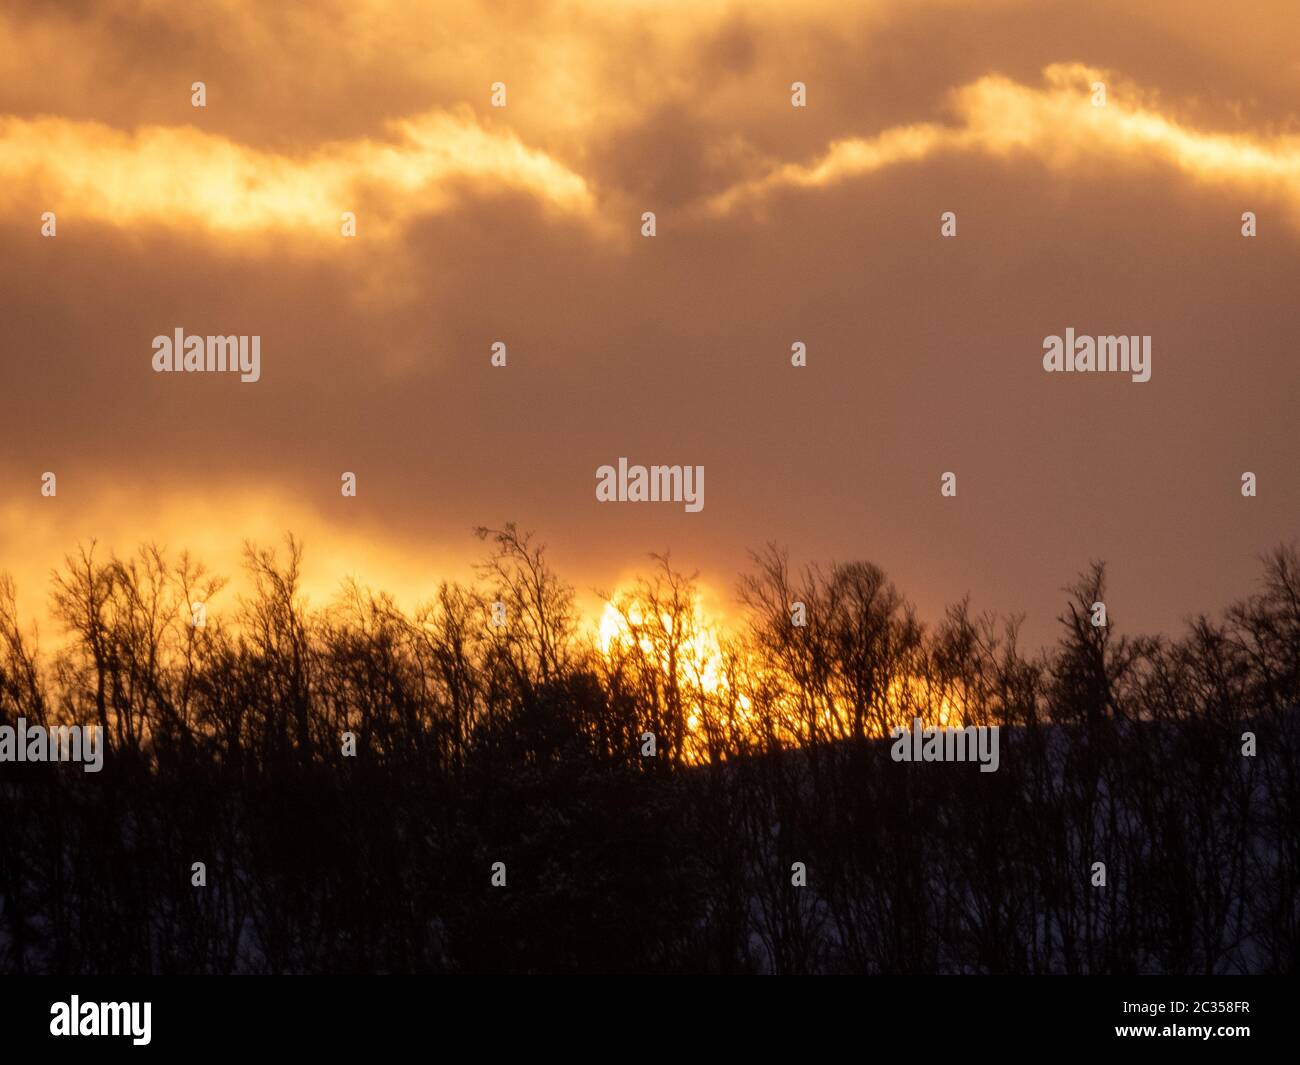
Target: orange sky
775 224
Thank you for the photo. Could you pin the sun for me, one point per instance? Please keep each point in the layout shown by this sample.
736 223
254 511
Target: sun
690 644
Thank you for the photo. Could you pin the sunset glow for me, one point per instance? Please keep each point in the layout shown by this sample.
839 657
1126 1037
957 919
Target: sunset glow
652 487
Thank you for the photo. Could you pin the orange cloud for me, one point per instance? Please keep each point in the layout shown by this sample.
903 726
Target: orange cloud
213 526
184 177
1056 126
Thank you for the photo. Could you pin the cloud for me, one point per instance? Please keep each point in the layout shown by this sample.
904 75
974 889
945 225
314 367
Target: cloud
182 177
36 538
1057 127
775 224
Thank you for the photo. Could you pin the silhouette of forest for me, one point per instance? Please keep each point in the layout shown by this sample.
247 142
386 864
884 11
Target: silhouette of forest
524 743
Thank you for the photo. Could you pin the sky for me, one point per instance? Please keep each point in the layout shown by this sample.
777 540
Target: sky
774 224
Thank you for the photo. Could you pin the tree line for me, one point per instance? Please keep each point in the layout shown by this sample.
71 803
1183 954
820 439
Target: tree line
648 797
